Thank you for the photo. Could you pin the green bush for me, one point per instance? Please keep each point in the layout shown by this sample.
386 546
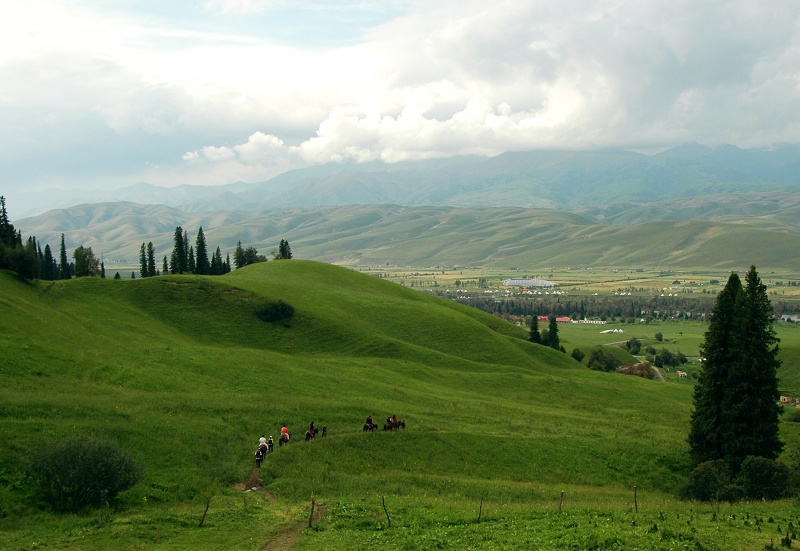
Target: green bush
82 471
276 310
600 360
708 481
762 478
578 354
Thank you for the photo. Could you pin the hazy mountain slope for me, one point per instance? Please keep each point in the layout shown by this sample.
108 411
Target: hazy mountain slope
431 236
564 180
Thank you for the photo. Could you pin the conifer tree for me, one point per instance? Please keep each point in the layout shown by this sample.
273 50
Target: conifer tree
718 353
165 266
49 267
151 260
736 410
178 260
552 333
201 253
63 266
534 335
143 261
191 267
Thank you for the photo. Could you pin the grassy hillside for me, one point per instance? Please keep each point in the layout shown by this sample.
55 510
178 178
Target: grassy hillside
181 373
432 236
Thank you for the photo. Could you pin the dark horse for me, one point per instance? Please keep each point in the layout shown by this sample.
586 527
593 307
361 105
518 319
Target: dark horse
260 453
284 439
310 433
369 427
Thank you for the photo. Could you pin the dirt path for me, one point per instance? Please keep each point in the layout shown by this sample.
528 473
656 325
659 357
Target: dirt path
284 540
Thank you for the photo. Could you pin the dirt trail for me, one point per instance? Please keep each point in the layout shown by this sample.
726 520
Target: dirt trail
284 540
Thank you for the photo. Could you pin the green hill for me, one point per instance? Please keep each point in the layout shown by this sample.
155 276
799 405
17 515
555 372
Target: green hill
183 374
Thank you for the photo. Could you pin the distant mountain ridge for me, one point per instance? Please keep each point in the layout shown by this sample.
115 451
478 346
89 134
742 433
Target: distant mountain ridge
689 206
576 181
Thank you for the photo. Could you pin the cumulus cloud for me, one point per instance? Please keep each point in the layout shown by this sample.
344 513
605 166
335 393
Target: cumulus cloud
442 78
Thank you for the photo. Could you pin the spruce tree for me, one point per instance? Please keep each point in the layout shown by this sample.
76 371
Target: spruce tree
534 335
750 407
191 267
201 254
49 267
736 410
717 352
143 261
178 259
553 341
63 266
151 260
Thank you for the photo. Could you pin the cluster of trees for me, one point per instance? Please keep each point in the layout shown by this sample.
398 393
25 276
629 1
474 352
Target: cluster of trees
31 262
185 258
736 410
547 337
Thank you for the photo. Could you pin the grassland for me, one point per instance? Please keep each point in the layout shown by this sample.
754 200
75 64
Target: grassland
181 373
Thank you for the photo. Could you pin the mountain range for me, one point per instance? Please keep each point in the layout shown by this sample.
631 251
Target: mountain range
690 205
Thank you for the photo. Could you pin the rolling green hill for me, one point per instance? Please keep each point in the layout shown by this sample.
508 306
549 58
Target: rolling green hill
181 372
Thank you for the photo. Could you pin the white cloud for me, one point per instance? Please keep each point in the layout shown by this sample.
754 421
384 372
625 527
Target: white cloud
190 89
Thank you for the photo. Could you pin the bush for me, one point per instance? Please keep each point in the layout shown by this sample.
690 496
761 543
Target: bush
277 310
599 360
762 478
578 354
708 481
81 471
759 478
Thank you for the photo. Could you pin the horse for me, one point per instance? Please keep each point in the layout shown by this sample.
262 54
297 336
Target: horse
259 456
388 426
369 427
284 439
310 434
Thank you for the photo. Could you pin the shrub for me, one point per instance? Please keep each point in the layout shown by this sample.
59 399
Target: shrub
81 471
708 481
276 310
578 354
599 360
762 478
794 417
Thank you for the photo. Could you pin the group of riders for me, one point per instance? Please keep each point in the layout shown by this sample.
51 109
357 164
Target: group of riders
392 423
266 446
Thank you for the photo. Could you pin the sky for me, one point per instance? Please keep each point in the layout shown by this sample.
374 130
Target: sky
105 94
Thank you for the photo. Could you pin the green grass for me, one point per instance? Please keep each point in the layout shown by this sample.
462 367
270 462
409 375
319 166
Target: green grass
182 374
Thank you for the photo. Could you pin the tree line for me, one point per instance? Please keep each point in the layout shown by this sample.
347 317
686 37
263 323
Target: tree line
30 261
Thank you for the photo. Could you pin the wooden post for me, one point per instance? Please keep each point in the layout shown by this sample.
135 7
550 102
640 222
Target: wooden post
480 509
208 503
311 516
560 501
383 501
635 501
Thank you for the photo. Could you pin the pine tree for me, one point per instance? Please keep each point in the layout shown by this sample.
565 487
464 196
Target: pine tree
736 410
151 260
201 253
534 335
63 266
185 251
165 266
750 407
238 256
717 351
191 267
552 333
49 267
178 260
143 261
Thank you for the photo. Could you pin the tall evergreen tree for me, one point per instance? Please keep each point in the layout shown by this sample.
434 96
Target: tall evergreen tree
185 251
750 407
165 266
151 260
534 335
143 261
64 271
718 353
736 410
192 265
552 333
178 260
201 253
49 267
238 256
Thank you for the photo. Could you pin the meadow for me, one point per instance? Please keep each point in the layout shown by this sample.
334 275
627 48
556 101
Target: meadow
508 444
